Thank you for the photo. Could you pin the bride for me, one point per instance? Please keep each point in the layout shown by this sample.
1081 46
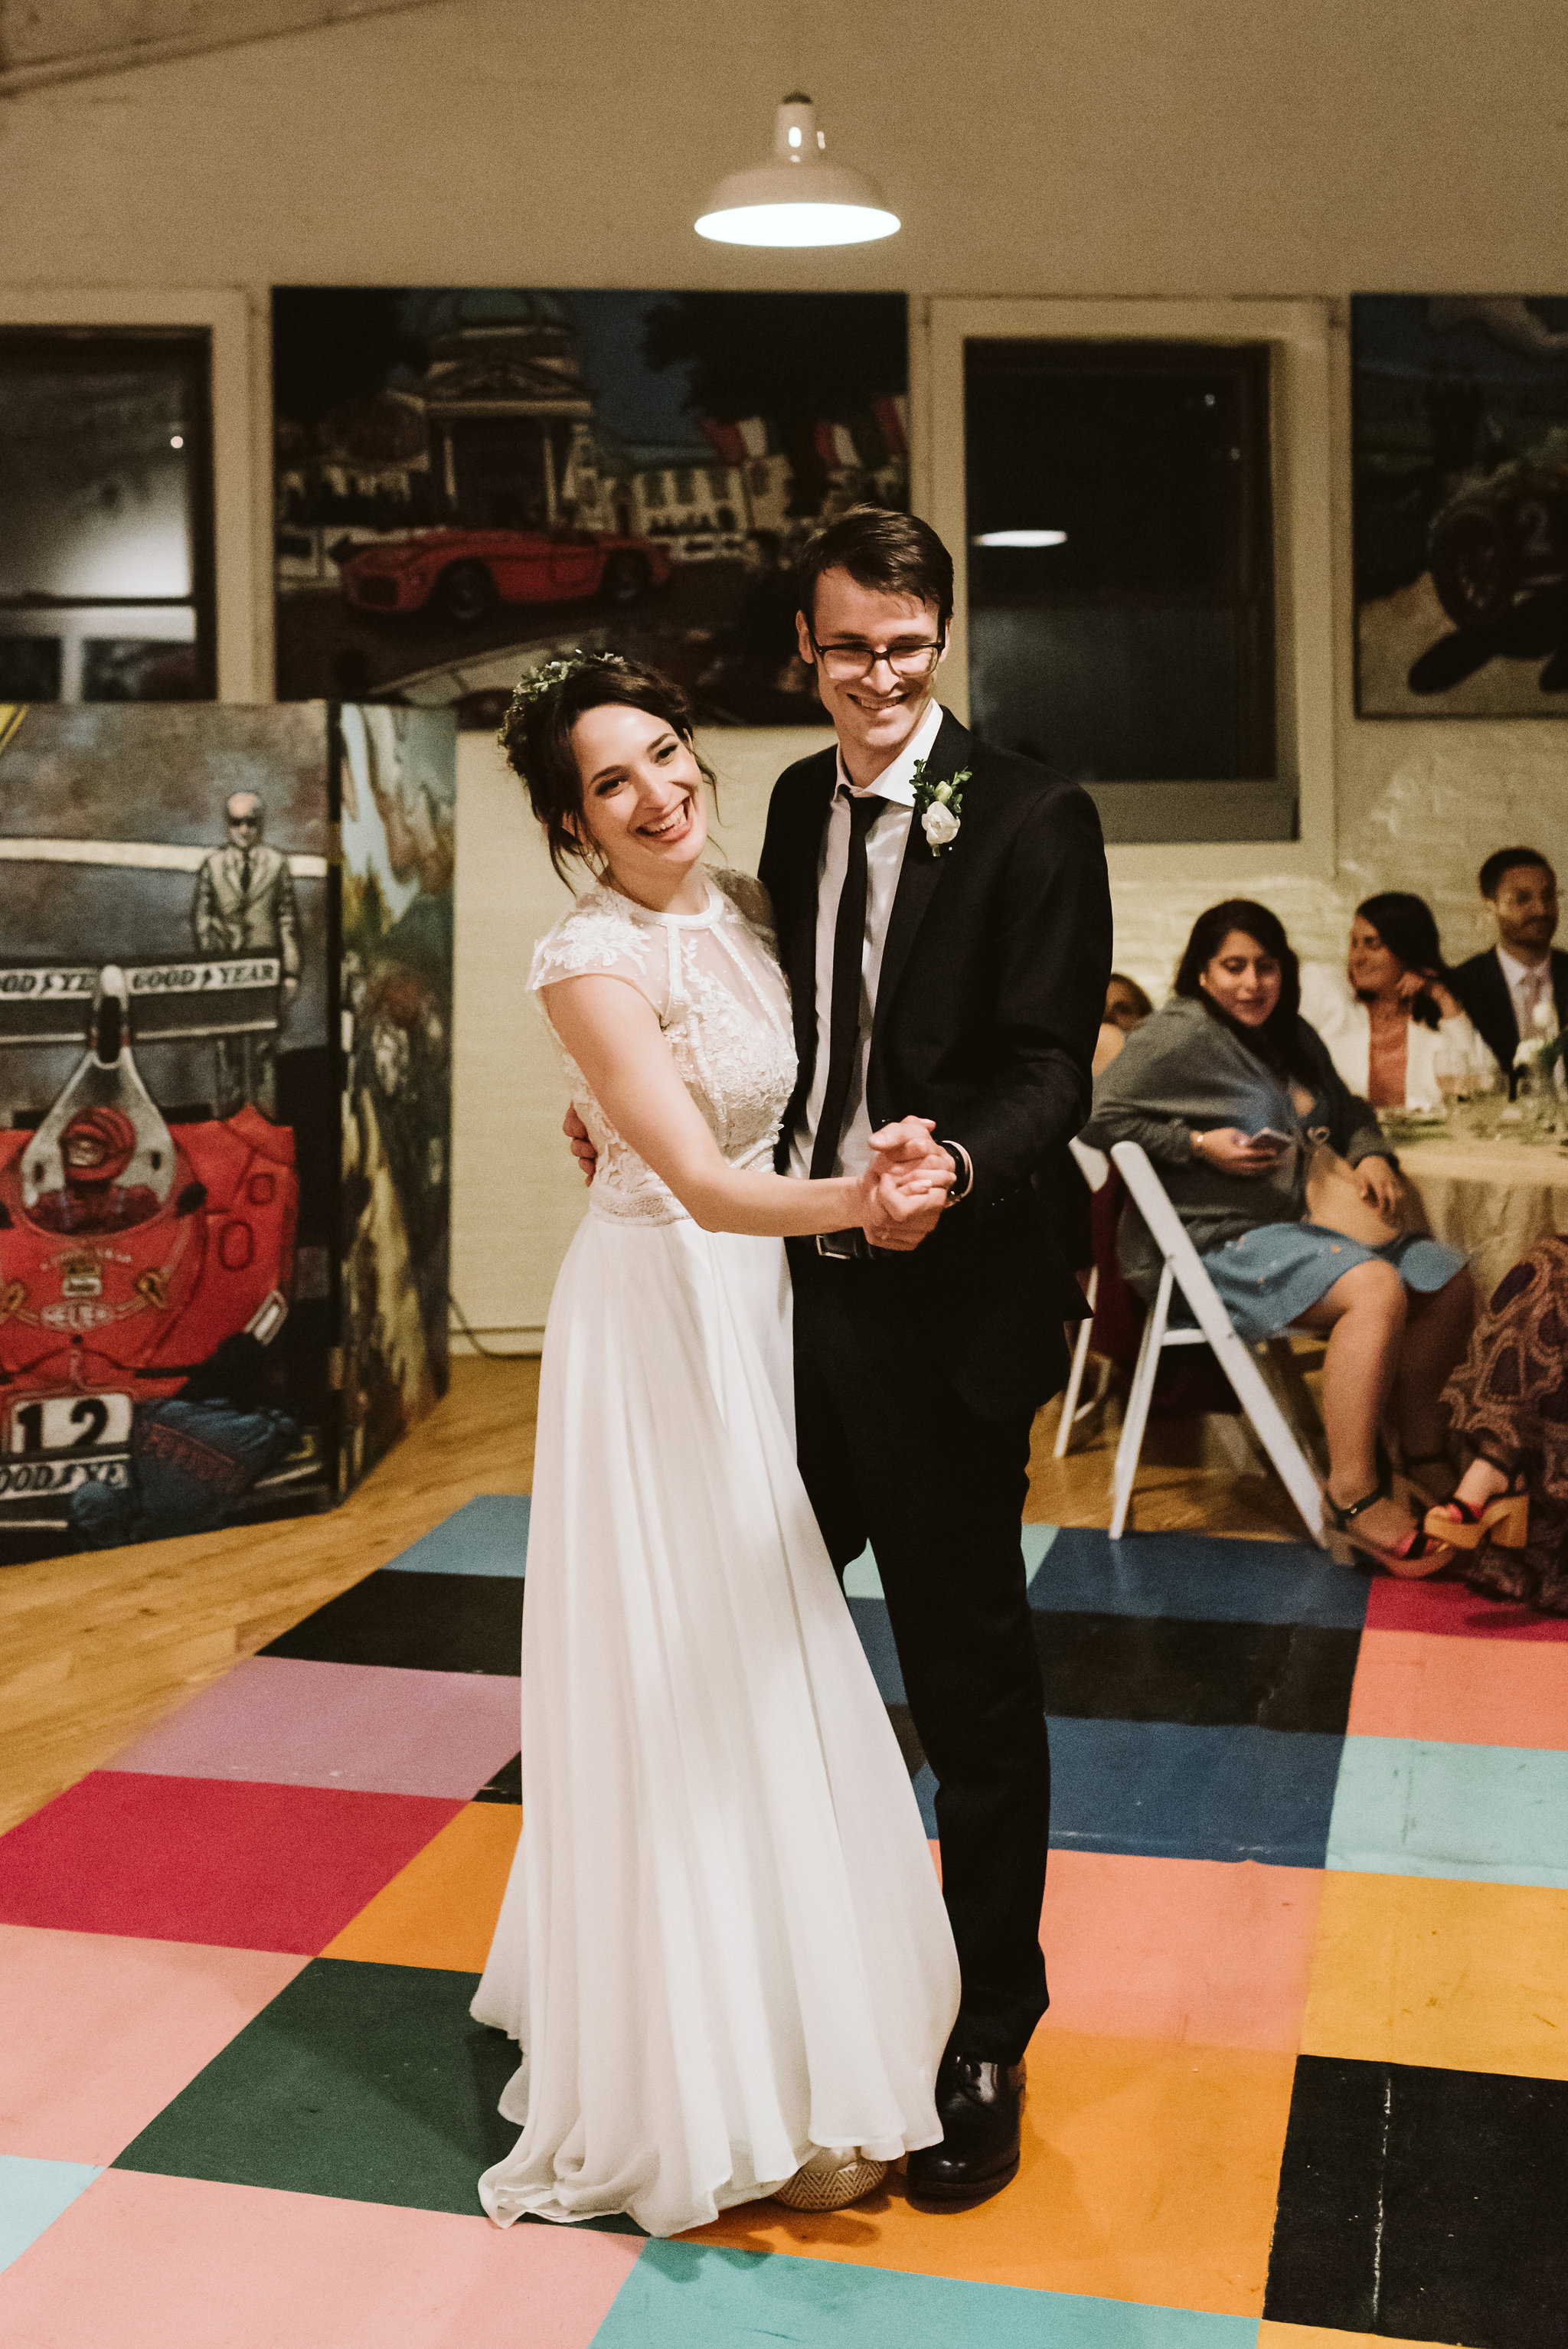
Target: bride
723 1948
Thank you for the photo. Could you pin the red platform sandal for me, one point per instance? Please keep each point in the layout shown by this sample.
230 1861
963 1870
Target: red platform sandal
1504 1519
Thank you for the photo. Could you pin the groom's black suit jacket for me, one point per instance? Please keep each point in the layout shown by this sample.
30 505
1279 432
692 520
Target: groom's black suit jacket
989 1005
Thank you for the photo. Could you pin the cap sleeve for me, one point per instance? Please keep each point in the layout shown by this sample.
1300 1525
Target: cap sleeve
597 940
750 899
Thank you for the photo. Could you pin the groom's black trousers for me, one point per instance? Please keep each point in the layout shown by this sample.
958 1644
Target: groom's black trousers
890 1454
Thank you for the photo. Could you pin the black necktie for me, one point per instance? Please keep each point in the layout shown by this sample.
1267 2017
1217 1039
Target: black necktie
244 872
845 1013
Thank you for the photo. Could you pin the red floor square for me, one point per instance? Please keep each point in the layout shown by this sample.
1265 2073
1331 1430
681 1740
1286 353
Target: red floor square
201 1859
1455 1609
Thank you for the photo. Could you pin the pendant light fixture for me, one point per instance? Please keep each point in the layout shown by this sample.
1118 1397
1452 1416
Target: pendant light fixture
796 197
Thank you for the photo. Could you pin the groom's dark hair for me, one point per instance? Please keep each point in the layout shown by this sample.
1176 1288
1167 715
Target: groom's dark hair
895 551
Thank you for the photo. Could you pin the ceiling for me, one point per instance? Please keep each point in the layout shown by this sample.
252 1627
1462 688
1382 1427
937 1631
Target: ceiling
43 41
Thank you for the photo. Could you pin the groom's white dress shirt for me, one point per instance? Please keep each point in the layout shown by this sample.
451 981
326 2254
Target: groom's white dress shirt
885 841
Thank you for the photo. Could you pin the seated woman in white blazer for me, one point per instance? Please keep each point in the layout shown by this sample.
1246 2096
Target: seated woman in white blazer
1389 1017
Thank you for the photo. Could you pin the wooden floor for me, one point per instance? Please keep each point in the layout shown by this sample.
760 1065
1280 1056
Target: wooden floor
95 1648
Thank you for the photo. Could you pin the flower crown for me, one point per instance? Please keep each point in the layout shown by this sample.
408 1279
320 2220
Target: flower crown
537 682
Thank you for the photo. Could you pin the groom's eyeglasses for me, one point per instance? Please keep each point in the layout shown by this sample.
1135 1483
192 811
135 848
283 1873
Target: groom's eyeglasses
846 663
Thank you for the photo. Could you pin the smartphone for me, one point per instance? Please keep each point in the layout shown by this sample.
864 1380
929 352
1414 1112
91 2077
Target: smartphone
1272 1133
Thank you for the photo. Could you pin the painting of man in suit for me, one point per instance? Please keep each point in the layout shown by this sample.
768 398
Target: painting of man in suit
244 904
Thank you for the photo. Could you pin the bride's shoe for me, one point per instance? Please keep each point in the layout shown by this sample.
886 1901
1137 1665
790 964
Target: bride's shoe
1505 1520
832 2178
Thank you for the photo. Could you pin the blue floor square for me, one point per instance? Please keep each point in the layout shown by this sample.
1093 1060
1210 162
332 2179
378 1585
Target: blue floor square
698 2297
488 1536
1495 1813
1167 1790
32 2196
1206 1577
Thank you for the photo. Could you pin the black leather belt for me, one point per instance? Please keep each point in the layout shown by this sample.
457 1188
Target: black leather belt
845 1247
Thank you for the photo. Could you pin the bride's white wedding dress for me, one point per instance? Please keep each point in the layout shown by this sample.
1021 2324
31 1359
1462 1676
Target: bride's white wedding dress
723 1942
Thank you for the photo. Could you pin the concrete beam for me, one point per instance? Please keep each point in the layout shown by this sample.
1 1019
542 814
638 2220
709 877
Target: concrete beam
46 41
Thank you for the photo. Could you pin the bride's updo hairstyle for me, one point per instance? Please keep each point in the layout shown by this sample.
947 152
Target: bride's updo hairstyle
537 736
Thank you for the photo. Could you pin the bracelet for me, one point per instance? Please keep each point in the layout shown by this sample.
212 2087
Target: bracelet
965 1168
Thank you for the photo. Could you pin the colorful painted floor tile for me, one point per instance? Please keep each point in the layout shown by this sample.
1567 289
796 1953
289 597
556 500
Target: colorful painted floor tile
33 2195
101 2032
685 2295
415 1622
485 1536
1206 1577
1169 1790
367 2083
1426 1970
1406 1808
197 1859
439 1910
369 1727
503 1786
1454 1607
1208 1952
1463 1692
1423 2204
146 2262
1273 2335
1149 2174
1226 1675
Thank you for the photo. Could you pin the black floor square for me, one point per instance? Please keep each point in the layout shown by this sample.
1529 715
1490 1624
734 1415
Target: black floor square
506 1786
1425 2205
1209 1675
425 1622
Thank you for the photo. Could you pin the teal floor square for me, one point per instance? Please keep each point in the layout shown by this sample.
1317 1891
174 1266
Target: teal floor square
1498 1813
32 2196
488 1536
697 2296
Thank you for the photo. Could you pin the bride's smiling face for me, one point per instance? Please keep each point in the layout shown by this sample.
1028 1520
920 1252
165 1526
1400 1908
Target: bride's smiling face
642 797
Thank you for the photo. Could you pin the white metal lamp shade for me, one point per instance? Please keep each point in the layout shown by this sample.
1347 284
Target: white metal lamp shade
796 198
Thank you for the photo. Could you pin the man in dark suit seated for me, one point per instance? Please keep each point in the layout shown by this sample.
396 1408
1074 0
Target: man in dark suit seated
1505 987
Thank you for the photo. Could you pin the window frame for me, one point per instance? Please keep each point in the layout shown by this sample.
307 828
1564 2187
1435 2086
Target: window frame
1299 336
237 424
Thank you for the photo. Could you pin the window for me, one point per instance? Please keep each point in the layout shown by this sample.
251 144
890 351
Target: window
106 515
1121 576
685 487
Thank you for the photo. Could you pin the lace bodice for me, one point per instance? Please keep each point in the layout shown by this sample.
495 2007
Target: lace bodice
714 980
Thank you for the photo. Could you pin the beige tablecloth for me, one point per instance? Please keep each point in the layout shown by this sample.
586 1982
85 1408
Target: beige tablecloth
1490 1199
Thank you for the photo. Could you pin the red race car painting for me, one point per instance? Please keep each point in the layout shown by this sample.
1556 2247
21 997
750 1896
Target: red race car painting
464 575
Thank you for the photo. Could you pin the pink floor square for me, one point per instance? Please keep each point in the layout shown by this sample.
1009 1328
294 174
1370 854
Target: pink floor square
197 1859
1209 1952
104 2032
1454 1609
1451 1691
146 2262
370 1728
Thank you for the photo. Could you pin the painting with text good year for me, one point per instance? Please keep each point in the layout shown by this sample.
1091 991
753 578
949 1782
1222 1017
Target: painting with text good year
396 778
1461 493
467 481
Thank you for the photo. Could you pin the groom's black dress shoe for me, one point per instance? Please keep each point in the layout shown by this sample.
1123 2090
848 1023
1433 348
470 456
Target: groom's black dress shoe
978 2104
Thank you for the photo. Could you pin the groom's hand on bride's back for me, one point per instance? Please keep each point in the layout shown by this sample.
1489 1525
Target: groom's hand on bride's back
583 1149
910 1176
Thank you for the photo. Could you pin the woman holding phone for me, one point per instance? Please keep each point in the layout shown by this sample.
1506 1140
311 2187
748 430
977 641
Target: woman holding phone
1293 1199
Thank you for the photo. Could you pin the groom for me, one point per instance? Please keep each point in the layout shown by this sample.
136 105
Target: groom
945 923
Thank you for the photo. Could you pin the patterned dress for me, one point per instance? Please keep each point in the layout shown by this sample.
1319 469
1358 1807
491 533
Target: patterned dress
1508 1401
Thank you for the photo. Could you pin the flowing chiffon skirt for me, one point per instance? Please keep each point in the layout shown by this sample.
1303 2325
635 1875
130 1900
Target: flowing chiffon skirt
723 1942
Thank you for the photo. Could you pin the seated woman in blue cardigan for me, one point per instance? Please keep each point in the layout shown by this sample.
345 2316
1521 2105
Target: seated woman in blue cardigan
1293 1198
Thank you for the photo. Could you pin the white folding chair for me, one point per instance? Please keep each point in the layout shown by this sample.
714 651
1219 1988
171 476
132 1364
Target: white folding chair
1095 1168
1182 1268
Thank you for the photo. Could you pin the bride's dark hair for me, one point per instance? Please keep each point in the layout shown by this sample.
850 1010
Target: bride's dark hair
537 736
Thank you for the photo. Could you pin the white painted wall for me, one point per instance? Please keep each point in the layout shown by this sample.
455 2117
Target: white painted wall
1173 149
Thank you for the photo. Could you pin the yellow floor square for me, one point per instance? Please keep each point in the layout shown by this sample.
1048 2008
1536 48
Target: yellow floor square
1422 1969
1149 2173
440 1910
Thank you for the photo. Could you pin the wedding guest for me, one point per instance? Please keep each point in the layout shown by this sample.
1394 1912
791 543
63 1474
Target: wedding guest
1509 1511
1390 1021
1519 988
1292 1198
1126 1008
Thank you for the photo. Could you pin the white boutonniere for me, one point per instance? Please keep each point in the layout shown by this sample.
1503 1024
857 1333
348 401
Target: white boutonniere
1544 1048
939 806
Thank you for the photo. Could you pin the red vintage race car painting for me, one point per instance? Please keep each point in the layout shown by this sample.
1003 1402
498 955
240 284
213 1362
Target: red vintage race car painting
130 1252
464 575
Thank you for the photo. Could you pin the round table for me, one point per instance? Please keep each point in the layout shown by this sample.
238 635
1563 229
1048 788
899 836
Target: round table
1492 1200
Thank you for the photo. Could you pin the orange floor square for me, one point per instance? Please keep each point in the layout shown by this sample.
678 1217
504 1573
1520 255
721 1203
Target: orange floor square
1208 1951
1149 2174
1461 1692
1428 1970
440 1910
1317 2337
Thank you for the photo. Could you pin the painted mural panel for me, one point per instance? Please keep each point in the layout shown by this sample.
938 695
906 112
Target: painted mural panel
1460 481
468 479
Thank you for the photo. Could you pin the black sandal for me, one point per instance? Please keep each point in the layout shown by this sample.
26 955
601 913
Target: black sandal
1418 1555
